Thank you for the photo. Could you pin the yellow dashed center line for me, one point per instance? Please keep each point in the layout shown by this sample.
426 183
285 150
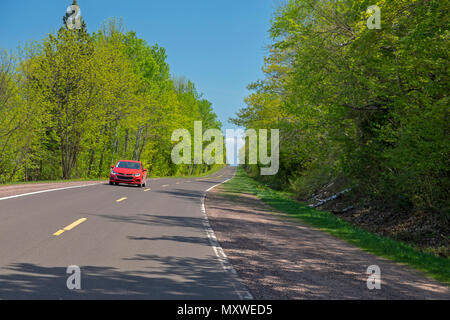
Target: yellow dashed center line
166 185
121 199
73 225
70 226
146 190
178 183
57 233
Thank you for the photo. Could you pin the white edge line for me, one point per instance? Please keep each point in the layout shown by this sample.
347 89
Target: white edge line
49 190
242 292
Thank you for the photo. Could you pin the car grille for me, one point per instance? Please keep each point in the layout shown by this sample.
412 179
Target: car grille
125 177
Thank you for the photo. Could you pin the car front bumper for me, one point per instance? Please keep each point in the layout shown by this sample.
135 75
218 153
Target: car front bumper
125 179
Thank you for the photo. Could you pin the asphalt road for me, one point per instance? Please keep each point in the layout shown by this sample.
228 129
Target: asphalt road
129 242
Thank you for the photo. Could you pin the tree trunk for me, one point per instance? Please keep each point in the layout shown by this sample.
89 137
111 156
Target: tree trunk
138 141
125 147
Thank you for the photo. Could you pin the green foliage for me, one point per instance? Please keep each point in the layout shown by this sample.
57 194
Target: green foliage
75 103
367 105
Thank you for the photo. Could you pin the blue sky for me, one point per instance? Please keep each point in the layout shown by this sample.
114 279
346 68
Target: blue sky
219 45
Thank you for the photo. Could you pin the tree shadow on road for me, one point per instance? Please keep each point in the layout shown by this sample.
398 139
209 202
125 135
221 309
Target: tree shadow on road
181 239
155 220
175 278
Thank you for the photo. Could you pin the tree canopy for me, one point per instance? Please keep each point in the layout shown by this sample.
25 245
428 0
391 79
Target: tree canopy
366 107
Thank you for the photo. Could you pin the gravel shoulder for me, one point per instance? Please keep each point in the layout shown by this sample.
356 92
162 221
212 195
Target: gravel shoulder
17 189
278 257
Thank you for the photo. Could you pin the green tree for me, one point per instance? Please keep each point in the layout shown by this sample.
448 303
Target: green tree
364 106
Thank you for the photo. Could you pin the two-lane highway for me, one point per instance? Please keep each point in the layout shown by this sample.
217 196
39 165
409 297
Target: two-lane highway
129 242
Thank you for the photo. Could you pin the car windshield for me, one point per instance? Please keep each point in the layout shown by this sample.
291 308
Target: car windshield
128 165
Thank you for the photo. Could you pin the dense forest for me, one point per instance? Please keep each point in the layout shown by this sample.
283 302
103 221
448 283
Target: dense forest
74 103
358 108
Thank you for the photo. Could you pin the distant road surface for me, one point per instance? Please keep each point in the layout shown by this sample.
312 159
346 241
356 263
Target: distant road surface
129 242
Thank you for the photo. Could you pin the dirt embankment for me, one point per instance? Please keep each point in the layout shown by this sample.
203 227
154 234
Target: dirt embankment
426 230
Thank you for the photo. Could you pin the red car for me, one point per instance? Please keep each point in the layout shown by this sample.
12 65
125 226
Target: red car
129 172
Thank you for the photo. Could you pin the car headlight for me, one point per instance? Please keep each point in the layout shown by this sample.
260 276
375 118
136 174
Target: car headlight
137 175
112 172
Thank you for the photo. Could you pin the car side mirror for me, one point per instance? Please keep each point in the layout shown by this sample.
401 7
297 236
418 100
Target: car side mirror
112 167
145 170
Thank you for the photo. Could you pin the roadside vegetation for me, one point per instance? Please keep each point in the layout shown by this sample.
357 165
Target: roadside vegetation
207 170
360 110
74 103
434 266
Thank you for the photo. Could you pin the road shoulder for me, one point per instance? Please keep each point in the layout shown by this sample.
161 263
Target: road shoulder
278 257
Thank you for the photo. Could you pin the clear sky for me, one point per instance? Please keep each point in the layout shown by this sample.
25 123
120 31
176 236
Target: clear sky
219 45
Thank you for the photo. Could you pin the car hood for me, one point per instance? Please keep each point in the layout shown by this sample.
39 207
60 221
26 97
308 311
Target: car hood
126 171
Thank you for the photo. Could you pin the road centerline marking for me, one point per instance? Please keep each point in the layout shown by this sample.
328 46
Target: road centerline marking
121 199
70 226
73 225
166 185
57 233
